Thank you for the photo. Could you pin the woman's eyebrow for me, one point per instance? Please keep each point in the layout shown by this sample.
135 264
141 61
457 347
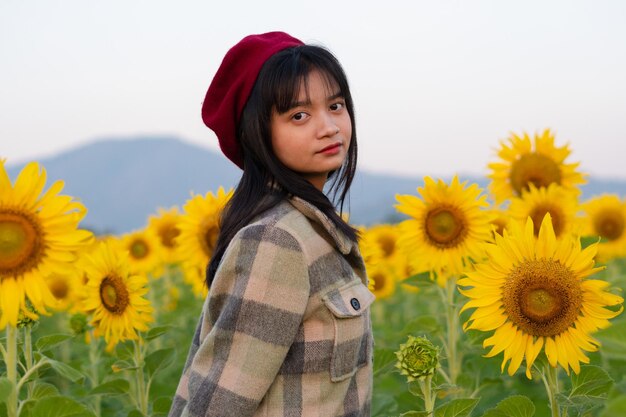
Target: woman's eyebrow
304 103
335 96
307 102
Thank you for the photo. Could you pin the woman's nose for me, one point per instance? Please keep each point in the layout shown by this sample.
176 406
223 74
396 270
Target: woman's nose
328 127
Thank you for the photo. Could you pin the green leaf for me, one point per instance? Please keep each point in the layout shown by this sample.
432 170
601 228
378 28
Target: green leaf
5 389
517 406
614 340
124 351
383 359
615 408
113 387
419 280
27 408
514 406
50 341
43 390
135 413
60 407
592 381
158 360
65 371
157 331
414 388
492 412
119 366
414 414
162 405
457 408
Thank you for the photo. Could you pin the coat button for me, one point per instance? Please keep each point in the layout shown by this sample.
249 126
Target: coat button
355 304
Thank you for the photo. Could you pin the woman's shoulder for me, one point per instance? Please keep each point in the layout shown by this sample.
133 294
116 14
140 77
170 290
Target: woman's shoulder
282 224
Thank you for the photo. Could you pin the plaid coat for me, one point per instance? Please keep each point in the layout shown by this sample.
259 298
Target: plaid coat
285 330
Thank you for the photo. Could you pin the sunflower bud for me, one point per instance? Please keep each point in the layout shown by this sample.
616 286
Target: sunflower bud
78 323
417 358
27 317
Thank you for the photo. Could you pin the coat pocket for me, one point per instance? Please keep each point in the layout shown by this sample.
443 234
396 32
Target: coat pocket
351 346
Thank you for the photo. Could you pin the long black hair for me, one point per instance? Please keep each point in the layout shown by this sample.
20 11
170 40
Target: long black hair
265 180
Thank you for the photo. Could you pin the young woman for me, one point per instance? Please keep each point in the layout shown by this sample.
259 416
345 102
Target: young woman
285 330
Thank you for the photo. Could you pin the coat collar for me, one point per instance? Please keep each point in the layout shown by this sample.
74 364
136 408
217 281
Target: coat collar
342 242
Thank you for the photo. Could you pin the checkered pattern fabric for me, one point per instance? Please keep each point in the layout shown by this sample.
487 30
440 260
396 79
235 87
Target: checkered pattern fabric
285 330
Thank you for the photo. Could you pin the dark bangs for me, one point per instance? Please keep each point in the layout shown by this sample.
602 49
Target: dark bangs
290 69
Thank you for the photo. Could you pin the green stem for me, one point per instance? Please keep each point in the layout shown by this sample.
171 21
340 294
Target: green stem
94 359
28 373
429 398
142 394
3 352
11 364
452 328
551 381
28 356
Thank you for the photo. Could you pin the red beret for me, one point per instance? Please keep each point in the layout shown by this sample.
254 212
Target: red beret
232 84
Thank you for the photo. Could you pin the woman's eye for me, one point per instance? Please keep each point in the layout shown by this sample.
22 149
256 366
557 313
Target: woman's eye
299 116
336 106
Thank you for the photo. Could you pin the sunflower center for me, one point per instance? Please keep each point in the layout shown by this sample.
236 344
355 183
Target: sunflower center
168 235
534 168
387 244
114 294
209 240
445 227
379 281
609 224
542 297
539 212
21 243
139 249
59 288
540 303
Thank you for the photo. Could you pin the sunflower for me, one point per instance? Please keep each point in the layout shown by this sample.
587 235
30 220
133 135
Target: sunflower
67 290
382 280
199 229
144 251
537 202
165 225
385 248
447 229
370 250
114 295
407 273
386 238
606 218
534 294
39 236
499 220
522 165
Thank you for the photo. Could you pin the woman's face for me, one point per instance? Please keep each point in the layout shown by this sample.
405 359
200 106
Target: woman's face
312 137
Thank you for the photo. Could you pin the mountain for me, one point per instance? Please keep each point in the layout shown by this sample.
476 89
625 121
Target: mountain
122 182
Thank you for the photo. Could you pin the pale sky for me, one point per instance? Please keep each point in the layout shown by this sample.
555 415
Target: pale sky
436 84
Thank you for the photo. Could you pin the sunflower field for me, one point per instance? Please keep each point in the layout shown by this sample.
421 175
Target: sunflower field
497 302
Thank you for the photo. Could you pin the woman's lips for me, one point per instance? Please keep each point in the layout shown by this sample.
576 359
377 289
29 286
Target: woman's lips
331 149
